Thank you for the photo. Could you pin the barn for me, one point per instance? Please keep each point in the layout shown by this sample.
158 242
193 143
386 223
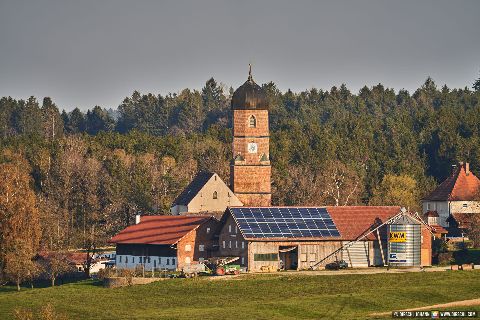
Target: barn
297 238
165 242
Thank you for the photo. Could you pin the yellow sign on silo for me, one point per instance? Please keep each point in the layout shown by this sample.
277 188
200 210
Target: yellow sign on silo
397 236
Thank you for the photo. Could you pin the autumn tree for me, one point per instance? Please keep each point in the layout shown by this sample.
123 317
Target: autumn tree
19 216
397 190
19 263
56 263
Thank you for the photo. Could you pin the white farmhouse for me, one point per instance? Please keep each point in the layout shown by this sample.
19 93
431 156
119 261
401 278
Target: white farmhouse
207 193
454 199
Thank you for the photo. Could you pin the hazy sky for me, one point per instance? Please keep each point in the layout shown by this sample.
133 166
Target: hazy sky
87 53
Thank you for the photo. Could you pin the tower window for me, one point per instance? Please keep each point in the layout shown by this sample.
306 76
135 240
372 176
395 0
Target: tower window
252 122
215 195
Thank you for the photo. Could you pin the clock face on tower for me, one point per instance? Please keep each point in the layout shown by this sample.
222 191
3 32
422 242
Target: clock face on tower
252 147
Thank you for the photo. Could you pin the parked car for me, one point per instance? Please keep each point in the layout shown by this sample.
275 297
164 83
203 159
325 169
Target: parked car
336 265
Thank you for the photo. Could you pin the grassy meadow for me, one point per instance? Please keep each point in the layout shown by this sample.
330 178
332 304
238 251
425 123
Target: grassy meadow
271 296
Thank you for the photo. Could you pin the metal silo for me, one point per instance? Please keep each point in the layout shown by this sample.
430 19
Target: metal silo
404 242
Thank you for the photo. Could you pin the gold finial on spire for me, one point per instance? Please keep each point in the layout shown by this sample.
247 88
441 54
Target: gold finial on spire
250 72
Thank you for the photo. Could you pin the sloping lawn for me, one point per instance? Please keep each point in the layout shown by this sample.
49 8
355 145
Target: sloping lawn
275 296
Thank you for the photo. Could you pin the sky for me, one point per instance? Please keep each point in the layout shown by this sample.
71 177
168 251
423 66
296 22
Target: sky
97 52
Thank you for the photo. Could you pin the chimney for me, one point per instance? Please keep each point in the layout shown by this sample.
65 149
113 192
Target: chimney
467 168
137 219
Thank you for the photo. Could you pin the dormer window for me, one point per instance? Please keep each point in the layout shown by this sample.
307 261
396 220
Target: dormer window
252 122
433 221
215 195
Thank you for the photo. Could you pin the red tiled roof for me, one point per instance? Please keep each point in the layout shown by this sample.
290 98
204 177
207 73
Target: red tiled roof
353 222
438 229
464 220
460 186
159 229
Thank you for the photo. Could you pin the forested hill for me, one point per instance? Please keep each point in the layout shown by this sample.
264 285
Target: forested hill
327 147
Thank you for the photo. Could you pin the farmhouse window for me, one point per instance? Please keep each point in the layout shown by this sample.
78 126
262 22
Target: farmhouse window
173 261
215 195
243 245
168 262
223 244
243 260
265 257
236 229
208 230
154 263
230 244
201 247
230 228
133 259
188 247
149 260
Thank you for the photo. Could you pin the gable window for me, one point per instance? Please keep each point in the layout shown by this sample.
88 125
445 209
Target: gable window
201 247
252 122
229 228
428 206
208 230
215 195
188 247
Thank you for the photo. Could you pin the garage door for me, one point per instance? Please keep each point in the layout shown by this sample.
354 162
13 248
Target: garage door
357 256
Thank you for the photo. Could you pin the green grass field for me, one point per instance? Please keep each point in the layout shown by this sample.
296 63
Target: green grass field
274 296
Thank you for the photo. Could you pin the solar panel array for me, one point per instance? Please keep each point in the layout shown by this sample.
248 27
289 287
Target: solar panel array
275 222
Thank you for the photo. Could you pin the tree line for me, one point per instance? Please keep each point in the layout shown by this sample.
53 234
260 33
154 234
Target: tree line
74 179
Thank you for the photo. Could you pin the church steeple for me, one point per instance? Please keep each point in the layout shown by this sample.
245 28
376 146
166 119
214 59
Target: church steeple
250 172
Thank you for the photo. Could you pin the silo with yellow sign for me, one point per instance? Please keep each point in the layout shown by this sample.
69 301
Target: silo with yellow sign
404 242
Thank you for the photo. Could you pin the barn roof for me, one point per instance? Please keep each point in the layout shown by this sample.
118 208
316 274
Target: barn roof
159 229
351 222
193 188
354 221
461 185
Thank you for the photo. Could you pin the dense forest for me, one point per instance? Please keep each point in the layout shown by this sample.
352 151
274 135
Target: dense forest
73 179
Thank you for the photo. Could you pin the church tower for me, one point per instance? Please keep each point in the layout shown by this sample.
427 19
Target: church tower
250 170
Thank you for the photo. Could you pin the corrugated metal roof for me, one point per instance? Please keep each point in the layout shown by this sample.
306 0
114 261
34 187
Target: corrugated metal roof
159 229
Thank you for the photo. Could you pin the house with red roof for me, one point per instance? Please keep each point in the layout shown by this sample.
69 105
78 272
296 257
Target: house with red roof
453 200
165 242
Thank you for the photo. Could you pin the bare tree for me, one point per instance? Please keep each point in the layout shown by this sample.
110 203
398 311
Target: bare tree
56 264
342 184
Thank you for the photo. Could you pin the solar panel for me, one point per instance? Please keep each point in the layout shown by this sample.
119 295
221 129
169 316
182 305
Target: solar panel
282 222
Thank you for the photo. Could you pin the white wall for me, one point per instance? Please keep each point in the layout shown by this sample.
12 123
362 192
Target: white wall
445 208
130 262
442 208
